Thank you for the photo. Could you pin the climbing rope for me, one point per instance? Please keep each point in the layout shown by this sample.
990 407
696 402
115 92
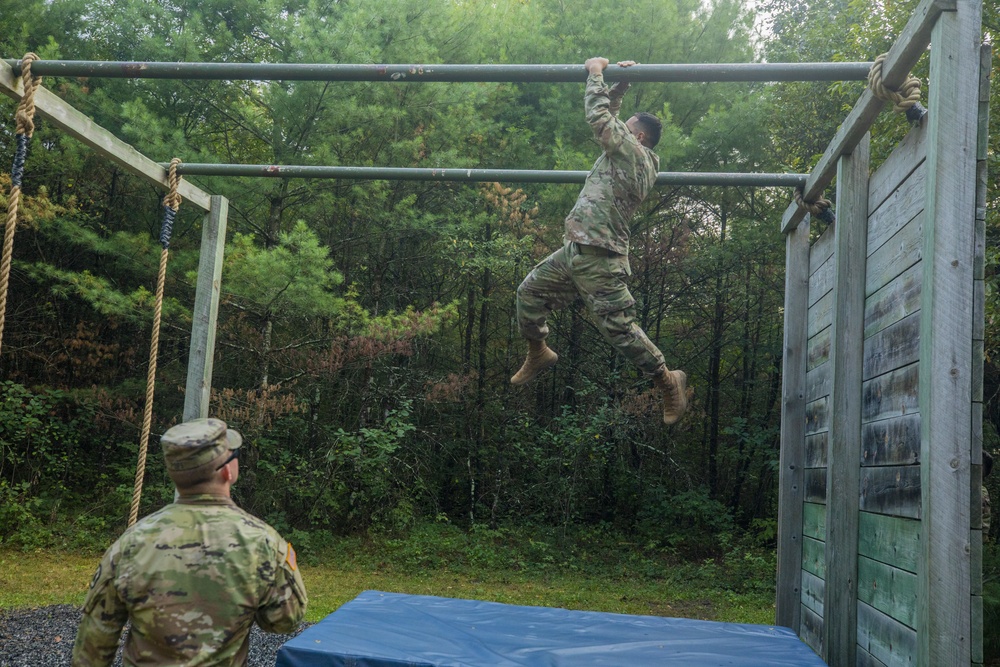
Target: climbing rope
905 99
24 128
171 202
822 208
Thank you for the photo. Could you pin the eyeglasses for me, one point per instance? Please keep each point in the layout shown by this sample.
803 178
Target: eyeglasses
234 455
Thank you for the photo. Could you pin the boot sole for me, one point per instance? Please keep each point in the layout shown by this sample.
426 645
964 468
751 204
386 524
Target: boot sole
538 369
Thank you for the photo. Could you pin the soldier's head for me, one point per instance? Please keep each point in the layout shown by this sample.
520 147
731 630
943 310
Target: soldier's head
646 128
202 452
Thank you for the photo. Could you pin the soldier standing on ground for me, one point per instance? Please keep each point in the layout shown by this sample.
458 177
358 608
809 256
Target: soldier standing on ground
193 577
593 261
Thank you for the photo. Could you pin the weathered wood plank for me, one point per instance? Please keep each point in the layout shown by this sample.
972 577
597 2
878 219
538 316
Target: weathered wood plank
815 454
819 349
977 629
83 129
886 639
895 255
204 315
892 394
866 659
944 630
818 382
888 589
903 55
902 206
894 441
891 540
845 432
811 630
813 592
815 485
814 557
821 314
793 421
896 300
893 490
821 250
891 348
821 281
817 416
905 158
814 521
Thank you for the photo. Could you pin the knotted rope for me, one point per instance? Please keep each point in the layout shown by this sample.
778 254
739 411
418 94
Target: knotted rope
905 99
171 202
24 121
822 208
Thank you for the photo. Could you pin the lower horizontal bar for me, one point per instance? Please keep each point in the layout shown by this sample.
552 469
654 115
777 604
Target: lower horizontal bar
695 72
476 175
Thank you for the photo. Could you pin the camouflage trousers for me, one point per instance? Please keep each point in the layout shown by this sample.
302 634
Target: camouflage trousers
599 279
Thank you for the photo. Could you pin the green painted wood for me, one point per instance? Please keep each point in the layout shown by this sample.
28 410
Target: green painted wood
888 589
895 255
814 521
813 592
816 448
894 441
814 557
889 539
884 638
903 205
819 349
817 416
893 490
205 313
892 394
793 420
894 347
944 628
899 298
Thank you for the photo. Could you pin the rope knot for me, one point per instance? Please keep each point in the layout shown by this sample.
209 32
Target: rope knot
822 208
905 99
24 118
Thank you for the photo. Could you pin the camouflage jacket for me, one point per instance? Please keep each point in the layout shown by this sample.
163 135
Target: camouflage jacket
619 180
192 578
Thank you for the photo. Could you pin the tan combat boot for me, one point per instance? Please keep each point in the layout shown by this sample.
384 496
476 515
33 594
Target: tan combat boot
539 358
673 384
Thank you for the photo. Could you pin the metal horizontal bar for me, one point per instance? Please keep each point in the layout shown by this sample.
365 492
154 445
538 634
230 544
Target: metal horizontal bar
491 73
476 175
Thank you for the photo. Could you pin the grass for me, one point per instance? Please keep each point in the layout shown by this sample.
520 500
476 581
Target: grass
440 564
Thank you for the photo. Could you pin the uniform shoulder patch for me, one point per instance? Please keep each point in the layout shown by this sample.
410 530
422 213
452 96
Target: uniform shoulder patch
290 558
97 575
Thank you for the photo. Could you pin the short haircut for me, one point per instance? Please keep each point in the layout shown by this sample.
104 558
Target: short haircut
650 126
186 479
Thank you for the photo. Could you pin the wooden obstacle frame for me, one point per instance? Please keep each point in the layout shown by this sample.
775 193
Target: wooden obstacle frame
880 540
880 549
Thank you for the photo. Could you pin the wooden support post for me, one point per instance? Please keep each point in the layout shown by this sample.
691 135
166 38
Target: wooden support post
844 454
944 629
206 310
793 421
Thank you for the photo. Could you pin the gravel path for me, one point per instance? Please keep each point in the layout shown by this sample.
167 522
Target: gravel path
44 638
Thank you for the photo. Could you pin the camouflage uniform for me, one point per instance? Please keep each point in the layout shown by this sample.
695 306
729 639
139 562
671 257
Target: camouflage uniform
192 578
593 262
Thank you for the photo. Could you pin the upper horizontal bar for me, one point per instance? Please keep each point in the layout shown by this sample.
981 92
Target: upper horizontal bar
477 175
853 71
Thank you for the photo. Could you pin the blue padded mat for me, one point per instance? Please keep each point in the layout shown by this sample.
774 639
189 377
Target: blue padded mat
379 629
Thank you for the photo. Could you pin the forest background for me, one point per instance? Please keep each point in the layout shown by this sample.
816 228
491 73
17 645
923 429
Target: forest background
366 333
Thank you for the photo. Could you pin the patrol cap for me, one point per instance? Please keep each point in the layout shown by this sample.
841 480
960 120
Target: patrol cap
193 444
